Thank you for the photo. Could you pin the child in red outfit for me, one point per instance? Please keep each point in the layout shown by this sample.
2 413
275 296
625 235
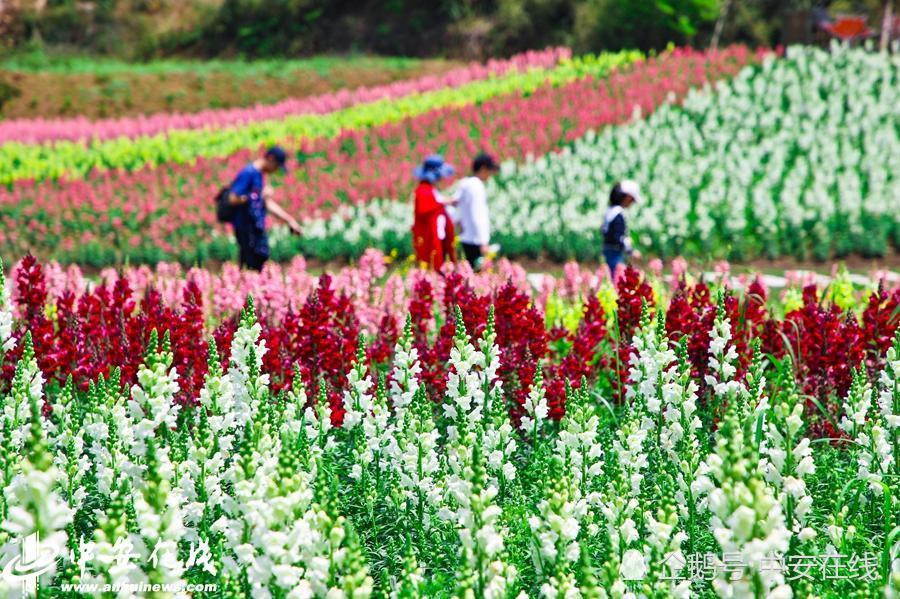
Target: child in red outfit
432 232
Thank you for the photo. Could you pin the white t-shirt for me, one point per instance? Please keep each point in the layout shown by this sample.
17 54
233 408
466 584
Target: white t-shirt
472 211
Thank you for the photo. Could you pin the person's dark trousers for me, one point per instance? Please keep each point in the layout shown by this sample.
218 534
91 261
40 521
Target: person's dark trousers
614 257
248 257
472 253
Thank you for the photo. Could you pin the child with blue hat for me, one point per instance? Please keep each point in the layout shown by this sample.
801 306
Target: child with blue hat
432 232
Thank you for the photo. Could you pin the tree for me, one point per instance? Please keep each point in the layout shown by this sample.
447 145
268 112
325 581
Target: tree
616 24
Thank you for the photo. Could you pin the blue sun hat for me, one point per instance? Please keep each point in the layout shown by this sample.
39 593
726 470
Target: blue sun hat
433 169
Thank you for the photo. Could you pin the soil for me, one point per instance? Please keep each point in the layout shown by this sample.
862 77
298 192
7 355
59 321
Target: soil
54 95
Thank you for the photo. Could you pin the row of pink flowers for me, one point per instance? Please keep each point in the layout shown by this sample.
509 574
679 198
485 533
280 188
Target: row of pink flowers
169 206
80 128
374 289
279 288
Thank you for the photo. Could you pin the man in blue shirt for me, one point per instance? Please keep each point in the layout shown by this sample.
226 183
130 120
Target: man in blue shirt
252 199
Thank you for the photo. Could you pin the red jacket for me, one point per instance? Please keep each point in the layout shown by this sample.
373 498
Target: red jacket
432 231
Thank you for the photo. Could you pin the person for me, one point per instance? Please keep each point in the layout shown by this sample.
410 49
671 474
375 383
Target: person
252 199
616 241
433 232
472 214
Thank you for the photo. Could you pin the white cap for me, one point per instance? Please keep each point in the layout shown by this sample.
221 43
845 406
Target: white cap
631 188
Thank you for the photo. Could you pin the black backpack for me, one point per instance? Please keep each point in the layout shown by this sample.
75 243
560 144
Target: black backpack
224 208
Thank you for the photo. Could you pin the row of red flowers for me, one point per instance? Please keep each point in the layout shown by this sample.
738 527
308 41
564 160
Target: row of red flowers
107 328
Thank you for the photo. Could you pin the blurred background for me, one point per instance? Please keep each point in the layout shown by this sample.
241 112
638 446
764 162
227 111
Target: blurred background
144 29
107 58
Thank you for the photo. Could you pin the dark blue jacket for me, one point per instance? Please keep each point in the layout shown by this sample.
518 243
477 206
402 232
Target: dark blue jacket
249 220
615 231
252 214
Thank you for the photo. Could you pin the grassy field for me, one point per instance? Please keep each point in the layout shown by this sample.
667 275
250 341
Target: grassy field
69 64
46 85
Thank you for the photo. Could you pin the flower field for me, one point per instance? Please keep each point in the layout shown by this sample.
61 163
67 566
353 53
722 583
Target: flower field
163 212
347 424
404 434
164 138
745 155
795 157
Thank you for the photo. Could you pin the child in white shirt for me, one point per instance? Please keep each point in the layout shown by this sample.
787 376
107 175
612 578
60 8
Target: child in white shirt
472 213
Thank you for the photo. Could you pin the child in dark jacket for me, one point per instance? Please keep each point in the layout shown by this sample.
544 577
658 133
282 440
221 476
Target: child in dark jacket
616 241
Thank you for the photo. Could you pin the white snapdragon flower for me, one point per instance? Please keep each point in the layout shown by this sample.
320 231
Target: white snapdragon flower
651 366
746 518
555 530
34 507
405 373
417 461
212 449
875 428
475 410
535 408
579 442
413 453
159 518
481 536
152 402
786 460
7 342
722 359
856 408
367 419
888 396
245 367
27 386
358 396
334 564
318 426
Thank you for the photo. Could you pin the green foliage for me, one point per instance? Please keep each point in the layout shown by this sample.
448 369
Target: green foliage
647 24
288 27
41 59
258 28
279 28
275 28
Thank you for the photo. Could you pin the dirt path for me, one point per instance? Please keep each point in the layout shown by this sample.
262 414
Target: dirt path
854 264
